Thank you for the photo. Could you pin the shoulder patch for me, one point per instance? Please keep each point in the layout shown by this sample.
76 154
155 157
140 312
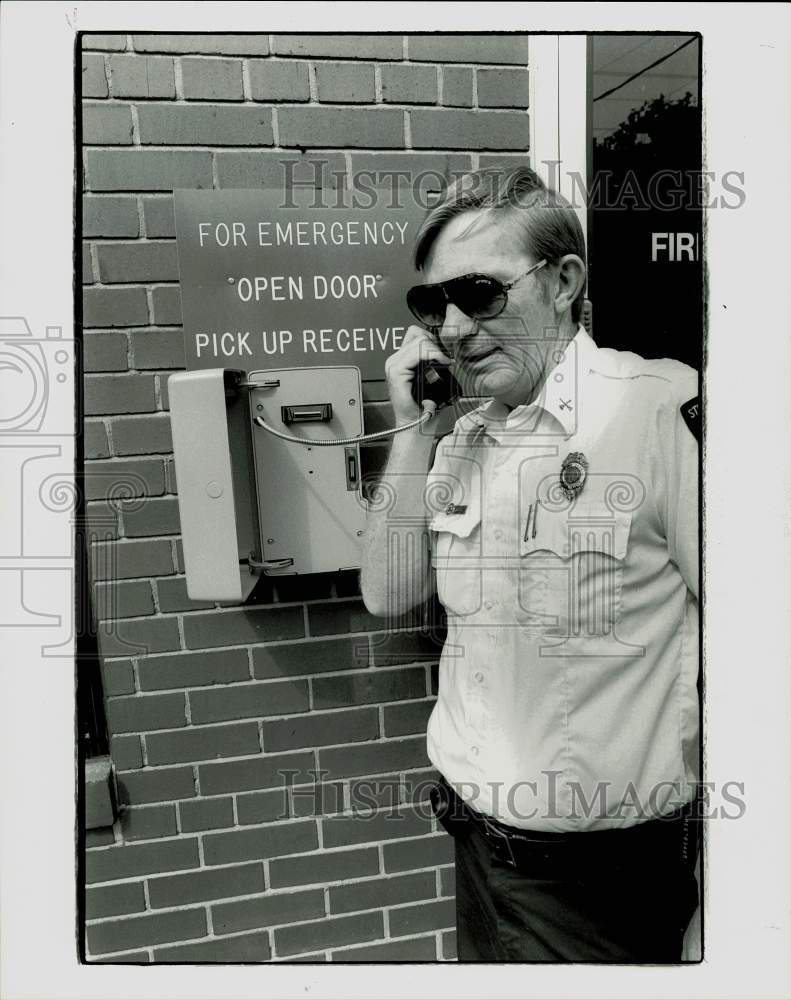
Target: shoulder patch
690 411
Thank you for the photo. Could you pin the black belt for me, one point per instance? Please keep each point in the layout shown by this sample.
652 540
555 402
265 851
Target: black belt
669 838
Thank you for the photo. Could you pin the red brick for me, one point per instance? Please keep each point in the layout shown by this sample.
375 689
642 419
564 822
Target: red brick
87 265
127 957
345 46
397 169
128 599
449 945
457 86
114 900
112 42
368 687
249 701
141 76
327 866
262 807
266 911
374 792
281 170
158 217
240 948
131 558
158 349
206 814
377 128
375 893
142 713
503 88
403 821
160 785
421 852
373 758
255 844
419 949
192 669
127 262
269 771
345 83
142 435
455 129
105 352
110 480
423 917
329 933
106 124
279 81
208 43
94 79
114 307
145 823
172 596
127 753
204 125
202 743
195 887
148 169
101 521
100 837
166 302
118 394
118 678
155 516
109 216
470 48
409 84
411 717
95 440
212 79
321 729
239 628
152 929
140 859
448 881
309 657
341 616
317 799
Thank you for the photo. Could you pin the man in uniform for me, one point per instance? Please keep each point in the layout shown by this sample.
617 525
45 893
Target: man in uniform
558 524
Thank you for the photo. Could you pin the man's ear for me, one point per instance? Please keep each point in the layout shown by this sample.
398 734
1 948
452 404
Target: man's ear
571 275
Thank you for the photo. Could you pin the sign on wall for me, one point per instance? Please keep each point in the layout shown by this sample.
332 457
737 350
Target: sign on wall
269 281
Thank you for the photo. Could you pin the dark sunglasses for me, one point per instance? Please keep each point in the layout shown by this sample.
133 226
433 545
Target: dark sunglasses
478 296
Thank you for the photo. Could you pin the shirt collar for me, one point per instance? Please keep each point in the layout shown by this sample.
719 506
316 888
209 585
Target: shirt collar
560 394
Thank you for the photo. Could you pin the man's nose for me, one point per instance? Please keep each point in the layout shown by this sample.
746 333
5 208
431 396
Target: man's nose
457 327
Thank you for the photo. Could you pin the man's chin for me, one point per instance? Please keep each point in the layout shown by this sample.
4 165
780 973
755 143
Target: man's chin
492 382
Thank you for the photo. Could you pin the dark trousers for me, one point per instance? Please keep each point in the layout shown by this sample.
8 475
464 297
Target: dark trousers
600 902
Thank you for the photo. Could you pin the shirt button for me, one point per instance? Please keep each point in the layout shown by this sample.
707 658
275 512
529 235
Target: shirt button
479 677
498 534
474 751
488 605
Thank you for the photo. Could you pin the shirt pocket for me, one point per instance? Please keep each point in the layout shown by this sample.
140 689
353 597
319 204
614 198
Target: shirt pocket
571 573
456 558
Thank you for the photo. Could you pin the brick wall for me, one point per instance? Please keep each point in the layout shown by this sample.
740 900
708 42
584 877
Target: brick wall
228 848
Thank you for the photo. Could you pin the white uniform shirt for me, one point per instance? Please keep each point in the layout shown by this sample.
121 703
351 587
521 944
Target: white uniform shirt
567 685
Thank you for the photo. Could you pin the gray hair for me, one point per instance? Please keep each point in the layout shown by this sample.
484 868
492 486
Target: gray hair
550 233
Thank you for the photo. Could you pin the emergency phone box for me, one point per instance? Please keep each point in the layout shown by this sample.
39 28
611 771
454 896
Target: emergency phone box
279 499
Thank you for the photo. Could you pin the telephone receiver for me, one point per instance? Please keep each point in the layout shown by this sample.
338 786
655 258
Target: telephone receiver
436 382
